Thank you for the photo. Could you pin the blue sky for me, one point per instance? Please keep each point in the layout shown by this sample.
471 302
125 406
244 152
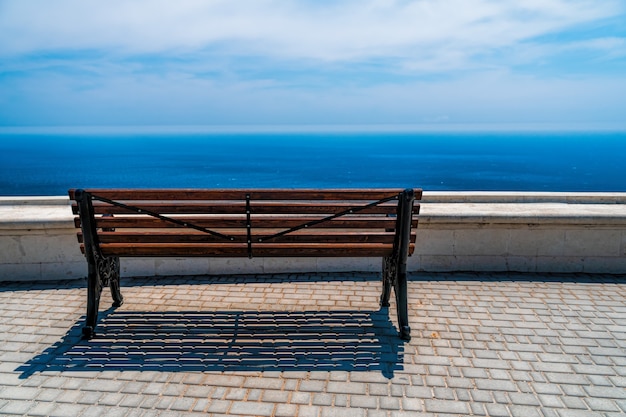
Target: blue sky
272 62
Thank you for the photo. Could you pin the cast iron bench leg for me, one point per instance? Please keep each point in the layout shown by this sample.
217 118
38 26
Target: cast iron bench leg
394 266
388 279
104 271
94 289
402 307
114 283
392 276
405 207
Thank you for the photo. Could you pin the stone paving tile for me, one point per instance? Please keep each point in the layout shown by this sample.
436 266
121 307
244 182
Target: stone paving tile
317 345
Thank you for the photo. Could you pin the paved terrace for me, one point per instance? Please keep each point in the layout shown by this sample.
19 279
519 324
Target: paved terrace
498 344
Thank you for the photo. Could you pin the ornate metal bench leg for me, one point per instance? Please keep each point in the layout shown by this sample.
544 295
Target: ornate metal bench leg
105 271
114 282
102 271
94 289
389 272
402 306
405 208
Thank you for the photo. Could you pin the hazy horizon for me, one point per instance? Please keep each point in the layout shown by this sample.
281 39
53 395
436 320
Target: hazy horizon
323 128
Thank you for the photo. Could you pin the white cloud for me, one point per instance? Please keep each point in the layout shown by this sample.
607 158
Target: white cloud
309 61
446 32
612 46
490 97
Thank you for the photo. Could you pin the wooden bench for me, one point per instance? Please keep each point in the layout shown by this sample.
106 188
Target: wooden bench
118 223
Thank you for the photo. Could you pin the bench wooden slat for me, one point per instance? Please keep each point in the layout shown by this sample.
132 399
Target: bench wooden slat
234 194
136 251
224 207
241 236
238 222
241 250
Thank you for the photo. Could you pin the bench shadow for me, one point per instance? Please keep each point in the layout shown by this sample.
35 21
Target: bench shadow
228 341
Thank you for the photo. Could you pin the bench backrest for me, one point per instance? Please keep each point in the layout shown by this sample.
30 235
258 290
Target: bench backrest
240 223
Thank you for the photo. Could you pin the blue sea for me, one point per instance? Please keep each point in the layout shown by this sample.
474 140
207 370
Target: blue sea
51 162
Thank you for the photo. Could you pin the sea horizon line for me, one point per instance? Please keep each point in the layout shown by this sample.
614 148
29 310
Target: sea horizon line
319 128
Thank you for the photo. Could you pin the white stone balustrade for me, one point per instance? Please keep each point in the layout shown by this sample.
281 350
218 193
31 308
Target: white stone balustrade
458 231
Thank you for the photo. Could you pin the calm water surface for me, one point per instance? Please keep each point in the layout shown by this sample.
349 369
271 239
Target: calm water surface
49 164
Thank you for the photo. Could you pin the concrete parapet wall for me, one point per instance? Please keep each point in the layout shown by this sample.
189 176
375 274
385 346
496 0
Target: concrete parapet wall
459 231
525 232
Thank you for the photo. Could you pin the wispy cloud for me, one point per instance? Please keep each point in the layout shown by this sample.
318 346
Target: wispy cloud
327 31
327 58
